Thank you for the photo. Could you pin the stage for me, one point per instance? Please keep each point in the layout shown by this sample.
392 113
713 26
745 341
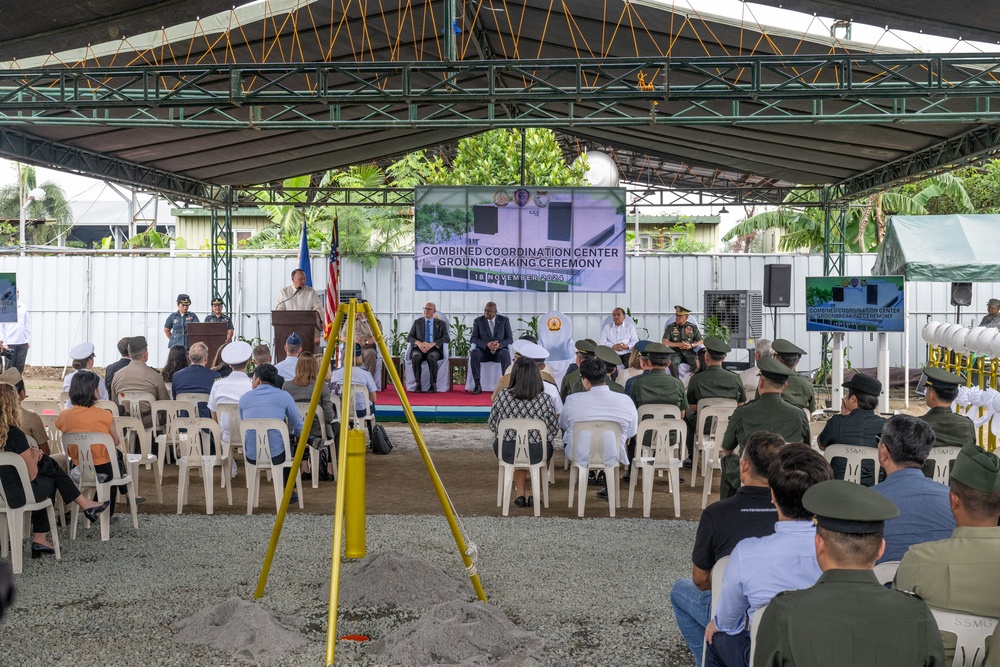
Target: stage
456 405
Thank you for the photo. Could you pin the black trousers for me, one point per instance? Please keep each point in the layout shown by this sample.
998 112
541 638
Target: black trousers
50 478
20 356
478 356
432 357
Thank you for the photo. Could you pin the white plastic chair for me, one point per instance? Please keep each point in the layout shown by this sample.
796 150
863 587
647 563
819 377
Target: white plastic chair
699 434
56 449
754 625
231 411
13 521
490 373
596 430
711 452
328 441
161 431
942 458
970 632
665 451
854 455
42 407
369 419
717 572
110 406
259 428
131 400
658 411
127 429
522 460
194 398
88 479
885 571
196 454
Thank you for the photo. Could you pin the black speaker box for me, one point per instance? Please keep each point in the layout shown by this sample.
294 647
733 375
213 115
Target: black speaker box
961 294
777 285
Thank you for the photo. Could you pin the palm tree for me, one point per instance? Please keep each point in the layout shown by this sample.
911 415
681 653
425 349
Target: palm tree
54 207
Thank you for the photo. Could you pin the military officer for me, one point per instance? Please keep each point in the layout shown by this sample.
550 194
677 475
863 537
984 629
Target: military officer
800 390
611 361
992 316
770 412
217 316
950 428
713 382
847 617
175 328
682 338
658 386
571 382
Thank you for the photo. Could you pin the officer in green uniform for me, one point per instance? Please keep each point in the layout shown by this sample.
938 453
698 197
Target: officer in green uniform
682 338
713 382
950 428
800 390
658 386
571 382
770 412
847 618
611 361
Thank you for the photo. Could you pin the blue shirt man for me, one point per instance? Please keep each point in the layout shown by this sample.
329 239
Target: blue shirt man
265 401
196 378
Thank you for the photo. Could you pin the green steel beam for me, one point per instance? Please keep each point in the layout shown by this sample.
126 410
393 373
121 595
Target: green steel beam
544 93
222 242
834 244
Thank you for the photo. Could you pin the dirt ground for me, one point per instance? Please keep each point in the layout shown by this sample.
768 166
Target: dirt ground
400 483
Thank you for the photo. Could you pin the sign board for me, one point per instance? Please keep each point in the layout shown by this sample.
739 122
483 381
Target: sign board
8 297
865 303
506 238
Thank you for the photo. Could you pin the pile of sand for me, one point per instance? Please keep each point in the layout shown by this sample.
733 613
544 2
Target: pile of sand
396 579
242 629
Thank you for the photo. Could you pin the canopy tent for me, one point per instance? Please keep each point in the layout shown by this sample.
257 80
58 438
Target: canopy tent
941 248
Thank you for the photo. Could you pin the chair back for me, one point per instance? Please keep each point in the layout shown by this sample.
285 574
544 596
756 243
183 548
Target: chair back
522 429
715 416
754 624
129 427
64 398
130 400
717 571
942 458
597 430
318 418
714 401
231 413
555 334
658 411
194 435
886 571
668 441
854 454
970 633
356 390
172 410
85 442
55 435
194 398
110 406
260 429
42 407
21 468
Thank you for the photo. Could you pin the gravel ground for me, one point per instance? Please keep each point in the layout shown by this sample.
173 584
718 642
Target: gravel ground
594 590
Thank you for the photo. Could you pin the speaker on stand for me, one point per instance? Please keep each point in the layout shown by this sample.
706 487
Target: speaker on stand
777 290
961 295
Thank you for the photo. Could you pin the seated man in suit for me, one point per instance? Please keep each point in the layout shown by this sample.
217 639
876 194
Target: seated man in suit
427 337
491 339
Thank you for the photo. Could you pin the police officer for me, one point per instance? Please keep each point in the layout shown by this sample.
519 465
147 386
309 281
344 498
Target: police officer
571 382
847 617
713 382
175 328
800 390
682 337
770 412
950 428
217 316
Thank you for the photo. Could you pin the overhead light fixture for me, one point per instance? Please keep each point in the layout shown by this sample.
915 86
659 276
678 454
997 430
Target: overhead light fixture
723 210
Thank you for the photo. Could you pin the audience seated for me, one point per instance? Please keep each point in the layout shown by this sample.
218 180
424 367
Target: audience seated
231 389
219 364
490 341
177 358
799 391
115 366
538 353
196 378
293 347
950 428
857 424
301 389
713 382
83 359
620 335
31 423
363 405
262 355
137 376
761 350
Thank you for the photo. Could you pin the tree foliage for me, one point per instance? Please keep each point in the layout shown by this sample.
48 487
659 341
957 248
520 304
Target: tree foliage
53 208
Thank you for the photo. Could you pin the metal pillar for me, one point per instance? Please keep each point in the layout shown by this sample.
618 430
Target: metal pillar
221 243
834 259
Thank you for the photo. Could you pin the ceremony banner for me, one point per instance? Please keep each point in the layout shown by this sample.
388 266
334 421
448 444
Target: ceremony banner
8 297
865 303
487 239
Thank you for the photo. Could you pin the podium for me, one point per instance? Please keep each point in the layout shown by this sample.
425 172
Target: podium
212 334
305 323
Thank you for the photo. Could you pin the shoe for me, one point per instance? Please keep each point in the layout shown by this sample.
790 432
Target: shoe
603 493
531 501
627 476
687 463
418 390
477 390
138 500
432 389
294 498
92 513
520 502
39 550
591 478
601 479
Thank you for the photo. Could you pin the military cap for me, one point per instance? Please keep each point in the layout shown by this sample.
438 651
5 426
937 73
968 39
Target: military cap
183 300
782 346
993 303
82 351
656 348
773 370
10 376
585 346
977 469
865 384
237 352
939 377
294 339
681 310
534 351
717 345
137 344
518 346
846 507
357 350
217 301
608 356
641 346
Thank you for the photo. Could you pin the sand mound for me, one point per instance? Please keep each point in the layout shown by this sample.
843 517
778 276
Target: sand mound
459 633
395 579
244 630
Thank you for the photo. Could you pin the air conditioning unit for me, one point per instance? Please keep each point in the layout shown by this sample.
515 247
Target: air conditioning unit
738 310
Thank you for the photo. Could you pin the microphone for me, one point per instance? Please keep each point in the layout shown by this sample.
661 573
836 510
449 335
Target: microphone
297 290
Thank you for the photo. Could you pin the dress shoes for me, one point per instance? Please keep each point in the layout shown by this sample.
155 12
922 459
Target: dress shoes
603 493
432 389
520 502
39 550
92 513
477 389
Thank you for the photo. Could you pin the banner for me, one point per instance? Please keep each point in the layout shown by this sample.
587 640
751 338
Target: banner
866 303
8 297
503 238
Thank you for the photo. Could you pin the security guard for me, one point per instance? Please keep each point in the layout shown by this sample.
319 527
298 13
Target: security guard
571 382
950 428
770 412
682 338
611 361
217 316
713 382
847 618
175 328
800 390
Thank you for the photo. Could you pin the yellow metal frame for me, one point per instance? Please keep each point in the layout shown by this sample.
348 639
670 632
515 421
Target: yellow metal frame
347 312
985 369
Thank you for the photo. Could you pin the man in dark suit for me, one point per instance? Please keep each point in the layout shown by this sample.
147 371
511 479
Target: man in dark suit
427 337
491 339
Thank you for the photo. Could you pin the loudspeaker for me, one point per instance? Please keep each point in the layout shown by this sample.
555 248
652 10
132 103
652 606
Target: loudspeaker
961 294
777 285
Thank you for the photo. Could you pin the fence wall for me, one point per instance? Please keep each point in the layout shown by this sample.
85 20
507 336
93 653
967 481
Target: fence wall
101 298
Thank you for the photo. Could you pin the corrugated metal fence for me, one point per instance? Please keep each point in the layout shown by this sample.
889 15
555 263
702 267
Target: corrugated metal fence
101 298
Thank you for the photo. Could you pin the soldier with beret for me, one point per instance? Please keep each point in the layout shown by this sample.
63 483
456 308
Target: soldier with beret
847 618
857 424
799 391
992 316
682 337
175 328
950 428
218 316
571 382
770 412
960 573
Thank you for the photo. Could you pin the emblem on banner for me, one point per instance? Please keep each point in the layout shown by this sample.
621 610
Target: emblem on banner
521 197
501 198
542 198
554 324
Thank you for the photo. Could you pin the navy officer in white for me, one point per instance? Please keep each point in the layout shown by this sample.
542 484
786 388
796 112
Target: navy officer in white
491 340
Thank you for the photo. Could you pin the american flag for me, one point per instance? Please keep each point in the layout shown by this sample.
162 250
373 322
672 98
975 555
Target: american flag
333 277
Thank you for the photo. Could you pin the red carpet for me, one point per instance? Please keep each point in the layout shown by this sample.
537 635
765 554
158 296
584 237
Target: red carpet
456 397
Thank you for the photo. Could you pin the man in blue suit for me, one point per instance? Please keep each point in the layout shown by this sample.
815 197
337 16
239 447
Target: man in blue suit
427 337
491 339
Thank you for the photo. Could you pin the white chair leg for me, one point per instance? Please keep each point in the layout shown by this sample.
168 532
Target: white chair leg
612 486
55 532
133 505
500 477
314 466
226 466
4 535
182 483
549 479
298 489
633 473
708 485
675 474
582 491
16 519
508 481
535 481
209 482
647 491
251 486
572 486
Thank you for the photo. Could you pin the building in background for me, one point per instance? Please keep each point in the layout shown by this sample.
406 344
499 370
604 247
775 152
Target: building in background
194 225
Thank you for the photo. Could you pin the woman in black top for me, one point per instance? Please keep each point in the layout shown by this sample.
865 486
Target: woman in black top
176 360
45 474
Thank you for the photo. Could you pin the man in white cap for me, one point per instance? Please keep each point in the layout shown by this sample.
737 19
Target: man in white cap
137 376
83 359
231 389
293 347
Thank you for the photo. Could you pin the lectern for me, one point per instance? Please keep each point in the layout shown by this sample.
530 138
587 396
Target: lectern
212 334
305 323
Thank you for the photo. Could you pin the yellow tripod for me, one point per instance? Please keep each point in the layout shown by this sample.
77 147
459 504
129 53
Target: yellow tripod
352 476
